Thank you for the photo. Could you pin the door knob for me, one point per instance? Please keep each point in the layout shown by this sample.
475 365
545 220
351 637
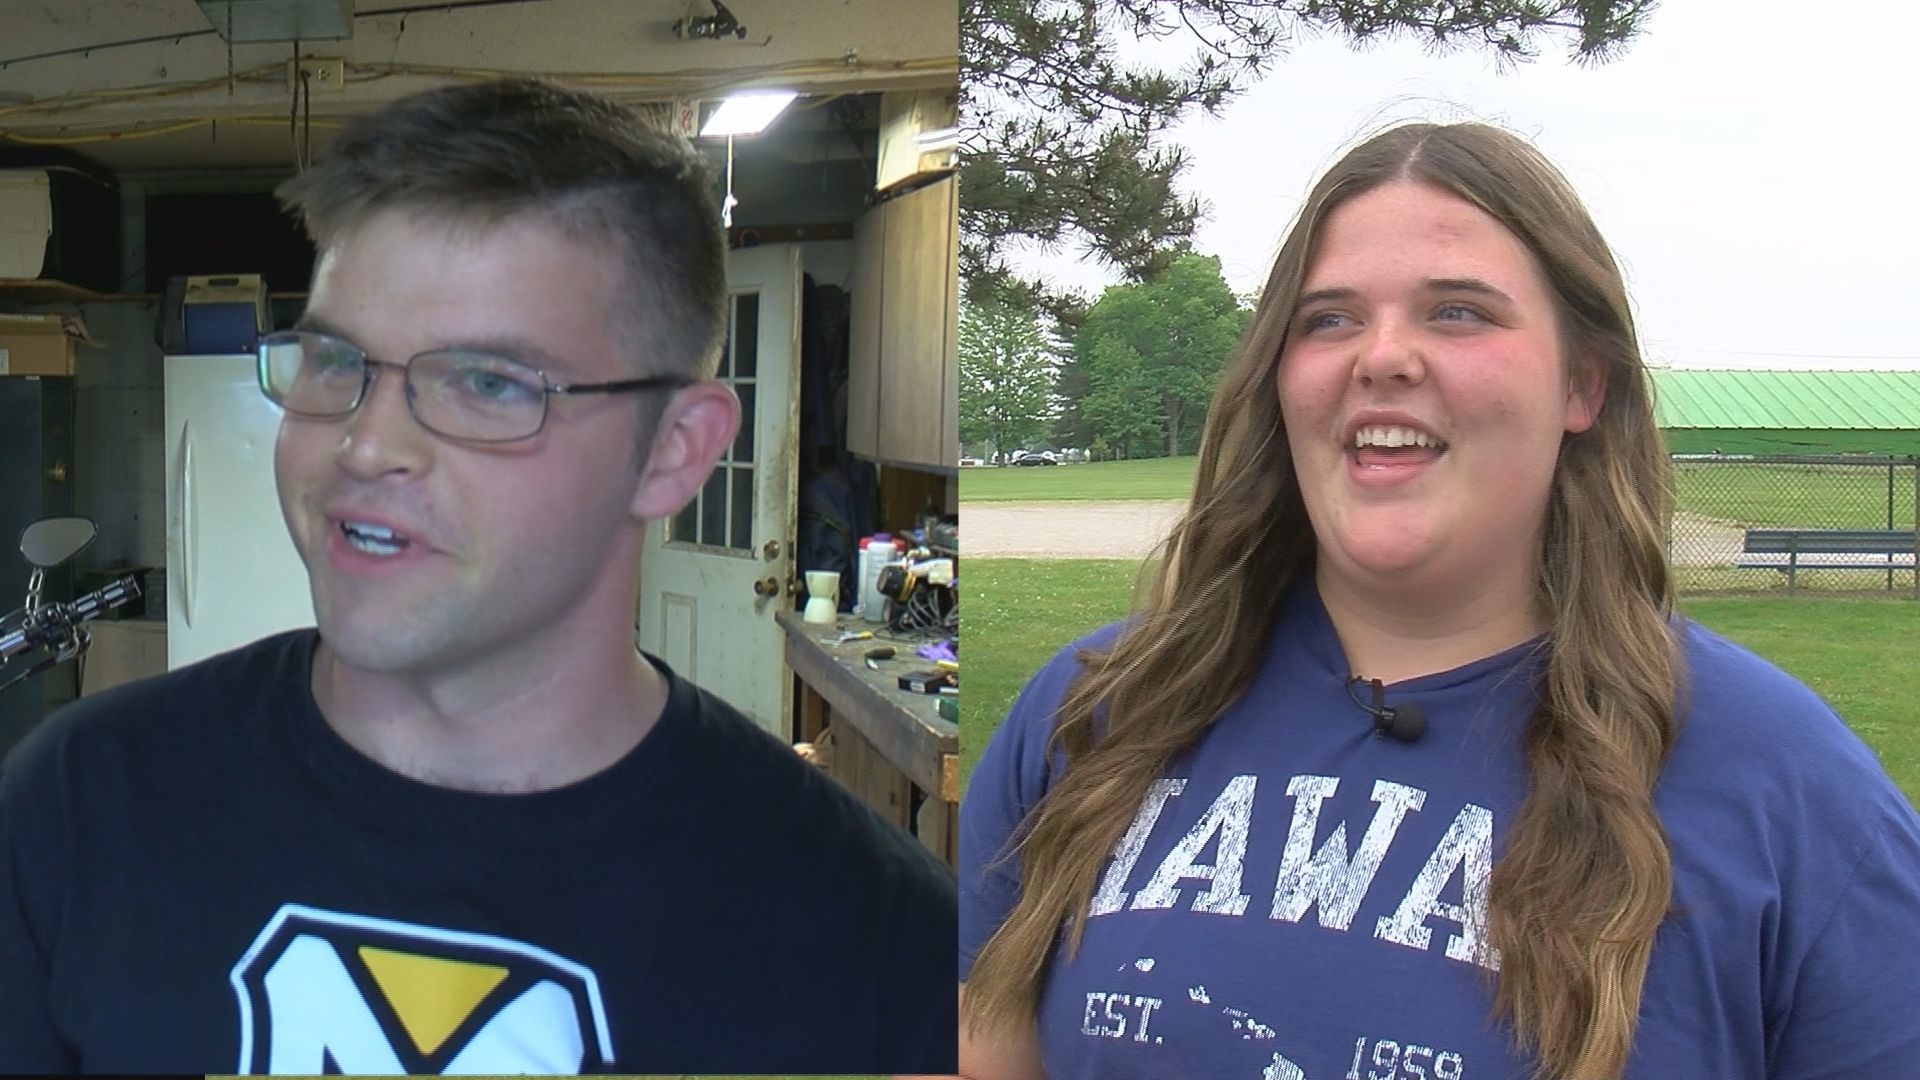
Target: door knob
771 549
767 587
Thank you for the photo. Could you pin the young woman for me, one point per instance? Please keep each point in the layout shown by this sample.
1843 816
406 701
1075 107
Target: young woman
1407 770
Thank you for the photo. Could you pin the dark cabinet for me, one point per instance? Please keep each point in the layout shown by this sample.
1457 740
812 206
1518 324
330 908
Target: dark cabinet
36 481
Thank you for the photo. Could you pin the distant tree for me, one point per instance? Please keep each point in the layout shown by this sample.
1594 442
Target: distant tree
1119 407
1151 354
1006 376
1063 142
1070 389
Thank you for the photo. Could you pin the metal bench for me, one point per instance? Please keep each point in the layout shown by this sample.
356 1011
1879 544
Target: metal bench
1829 549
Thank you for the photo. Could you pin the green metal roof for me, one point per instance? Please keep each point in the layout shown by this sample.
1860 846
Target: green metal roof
1787 400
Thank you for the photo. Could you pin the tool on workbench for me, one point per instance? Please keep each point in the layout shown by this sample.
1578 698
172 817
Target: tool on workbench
877 654
926 682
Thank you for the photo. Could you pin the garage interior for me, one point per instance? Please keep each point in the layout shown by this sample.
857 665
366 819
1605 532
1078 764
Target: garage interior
161 128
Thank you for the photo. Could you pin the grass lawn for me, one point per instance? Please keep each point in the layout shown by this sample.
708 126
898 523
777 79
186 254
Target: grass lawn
1859 654
1019 612
1151 478
1812 496
1809 496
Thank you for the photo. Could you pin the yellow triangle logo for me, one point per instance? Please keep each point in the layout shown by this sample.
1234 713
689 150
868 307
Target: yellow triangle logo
430 995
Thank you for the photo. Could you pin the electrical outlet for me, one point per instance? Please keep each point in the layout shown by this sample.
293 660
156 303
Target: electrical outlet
325 74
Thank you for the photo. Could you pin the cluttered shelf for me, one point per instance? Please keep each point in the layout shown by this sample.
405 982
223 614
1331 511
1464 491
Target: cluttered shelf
903 727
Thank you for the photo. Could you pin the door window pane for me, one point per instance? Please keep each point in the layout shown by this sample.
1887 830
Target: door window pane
745 344
742 517
743 442
682 528
713 510
721 515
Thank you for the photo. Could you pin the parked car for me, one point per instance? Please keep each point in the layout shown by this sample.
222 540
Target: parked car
1035 457
969 462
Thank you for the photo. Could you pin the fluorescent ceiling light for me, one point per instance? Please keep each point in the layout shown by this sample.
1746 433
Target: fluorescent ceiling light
945 138
747 113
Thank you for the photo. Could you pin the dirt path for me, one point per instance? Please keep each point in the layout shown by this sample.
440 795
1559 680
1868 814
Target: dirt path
1129 530
1066 530
1705 541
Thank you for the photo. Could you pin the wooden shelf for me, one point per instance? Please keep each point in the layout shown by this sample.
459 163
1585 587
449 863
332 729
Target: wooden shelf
44 291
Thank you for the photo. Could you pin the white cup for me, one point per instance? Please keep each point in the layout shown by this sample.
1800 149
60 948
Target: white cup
823 596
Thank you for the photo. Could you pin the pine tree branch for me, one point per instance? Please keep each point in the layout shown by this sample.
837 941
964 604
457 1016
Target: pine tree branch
1047 114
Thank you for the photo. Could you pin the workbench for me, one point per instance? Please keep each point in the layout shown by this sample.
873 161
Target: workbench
890 746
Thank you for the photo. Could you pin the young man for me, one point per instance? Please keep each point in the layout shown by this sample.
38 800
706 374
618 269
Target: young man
463 826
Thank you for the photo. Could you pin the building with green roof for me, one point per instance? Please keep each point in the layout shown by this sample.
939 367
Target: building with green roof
1788 412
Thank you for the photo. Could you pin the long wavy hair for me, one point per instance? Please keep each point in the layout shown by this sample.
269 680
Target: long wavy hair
1586 875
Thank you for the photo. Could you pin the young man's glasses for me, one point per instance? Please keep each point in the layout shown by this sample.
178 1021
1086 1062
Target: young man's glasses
470 396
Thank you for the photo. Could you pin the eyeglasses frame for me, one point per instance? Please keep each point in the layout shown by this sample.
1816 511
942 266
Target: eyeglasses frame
368 373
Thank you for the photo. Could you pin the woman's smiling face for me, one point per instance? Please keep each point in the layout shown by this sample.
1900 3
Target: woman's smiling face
1425 391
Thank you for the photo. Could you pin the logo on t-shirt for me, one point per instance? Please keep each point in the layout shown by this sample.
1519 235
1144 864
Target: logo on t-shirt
326 992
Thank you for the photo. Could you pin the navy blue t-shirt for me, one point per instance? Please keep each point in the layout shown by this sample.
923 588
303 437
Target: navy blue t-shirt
1300 899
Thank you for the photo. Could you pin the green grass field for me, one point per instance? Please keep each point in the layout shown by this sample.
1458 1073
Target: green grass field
1810 496
1859 654
1814 496
1093 481
1018 613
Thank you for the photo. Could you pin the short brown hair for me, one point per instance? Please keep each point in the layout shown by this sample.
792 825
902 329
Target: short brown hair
482 152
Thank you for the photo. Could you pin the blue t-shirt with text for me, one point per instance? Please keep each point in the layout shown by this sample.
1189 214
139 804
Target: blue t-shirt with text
1300 899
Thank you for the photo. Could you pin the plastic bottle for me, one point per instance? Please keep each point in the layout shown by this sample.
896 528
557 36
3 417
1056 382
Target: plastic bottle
861 574
880 549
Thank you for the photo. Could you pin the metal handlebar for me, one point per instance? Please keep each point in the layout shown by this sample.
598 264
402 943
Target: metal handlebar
55 628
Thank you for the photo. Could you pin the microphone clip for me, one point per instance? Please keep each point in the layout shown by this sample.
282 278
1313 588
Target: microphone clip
1404 723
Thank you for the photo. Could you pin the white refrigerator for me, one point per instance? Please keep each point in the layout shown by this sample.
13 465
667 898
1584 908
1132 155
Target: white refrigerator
232 574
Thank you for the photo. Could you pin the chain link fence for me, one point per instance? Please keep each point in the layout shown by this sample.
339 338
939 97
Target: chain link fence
1851 521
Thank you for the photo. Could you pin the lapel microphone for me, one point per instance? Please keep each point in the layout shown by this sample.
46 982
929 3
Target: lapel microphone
1405 722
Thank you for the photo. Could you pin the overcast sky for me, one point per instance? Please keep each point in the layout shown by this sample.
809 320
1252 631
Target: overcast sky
1752 163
